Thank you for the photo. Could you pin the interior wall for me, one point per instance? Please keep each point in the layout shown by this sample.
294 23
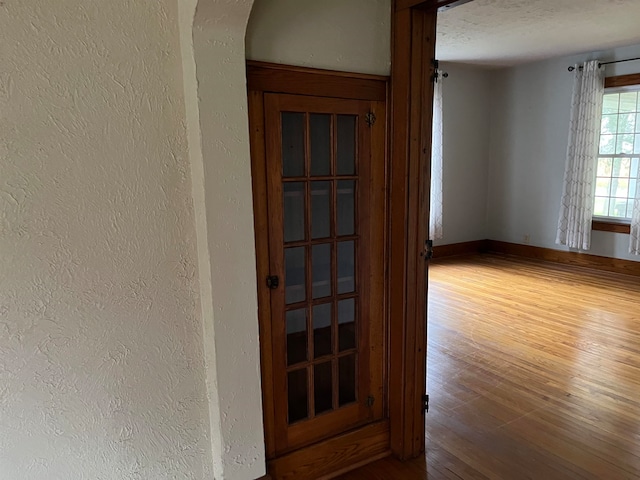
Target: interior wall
466 109
213 53
102 370
344 35
529 132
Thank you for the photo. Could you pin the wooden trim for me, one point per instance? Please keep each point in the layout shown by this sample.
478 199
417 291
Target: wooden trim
430 5
273 78
413 52
315 71
622 80
322 460
604 226
608 264
357 465
257 143
457 249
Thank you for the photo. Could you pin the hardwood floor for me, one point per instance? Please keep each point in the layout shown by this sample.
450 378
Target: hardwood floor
533 372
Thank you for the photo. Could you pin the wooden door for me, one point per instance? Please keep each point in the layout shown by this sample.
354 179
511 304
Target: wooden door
325 205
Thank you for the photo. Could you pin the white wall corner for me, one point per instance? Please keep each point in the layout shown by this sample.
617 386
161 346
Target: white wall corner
212 34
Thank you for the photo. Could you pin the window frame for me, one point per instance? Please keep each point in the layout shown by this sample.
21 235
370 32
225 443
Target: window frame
601 223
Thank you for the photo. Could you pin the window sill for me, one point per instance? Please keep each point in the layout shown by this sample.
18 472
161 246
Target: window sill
604 226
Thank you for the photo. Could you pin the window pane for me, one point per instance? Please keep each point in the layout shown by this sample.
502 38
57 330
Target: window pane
322 387
630 208
628 101
624 143
293 199
610 103
347 379
320 209
633 185
320 126
638 122
607 144
294 267
626 123
322 330
603 186
296 336
321 270
621 167
618 207
604 167
292 144
601 207
345 209
620 187
347 324
346 267
609 124
297 395
636 144
346 144
634 167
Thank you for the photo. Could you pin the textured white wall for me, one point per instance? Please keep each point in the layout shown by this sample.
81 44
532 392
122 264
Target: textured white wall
217 123
102 371
466 109
529 130
345 35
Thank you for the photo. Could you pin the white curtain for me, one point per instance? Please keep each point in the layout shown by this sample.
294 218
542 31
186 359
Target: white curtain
634 244
435 218
576 209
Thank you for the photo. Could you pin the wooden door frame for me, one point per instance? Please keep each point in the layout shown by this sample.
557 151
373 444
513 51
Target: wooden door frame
371 441
413 42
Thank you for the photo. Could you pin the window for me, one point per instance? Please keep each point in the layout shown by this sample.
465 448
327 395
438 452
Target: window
619 154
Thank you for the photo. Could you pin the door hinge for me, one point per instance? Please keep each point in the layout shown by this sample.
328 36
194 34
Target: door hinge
370 118
273 282
370 401
428 250
425 403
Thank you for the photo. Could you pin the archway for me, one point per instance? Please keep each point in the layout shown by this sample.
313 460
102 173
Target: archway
213 60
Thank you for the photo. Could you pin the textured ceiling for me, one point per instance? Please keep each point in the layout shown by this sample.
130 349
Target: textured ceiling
508 32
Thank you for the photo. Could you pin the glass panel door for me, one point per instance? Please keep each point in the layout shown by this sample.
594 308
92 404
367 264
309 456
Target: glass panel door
324 184
318 201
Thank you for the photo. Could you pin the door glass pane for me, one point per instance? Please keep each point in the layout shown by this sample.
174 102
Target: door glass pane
345 208
346 267
296 336
347 379
347 324
346 144
297 395
322 387
292 144
294 265
320 209
320 126
321 268
293 200
322 330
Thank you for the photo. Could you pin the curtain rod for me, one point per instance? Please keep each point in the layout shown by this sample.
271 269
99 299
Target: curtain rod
572 68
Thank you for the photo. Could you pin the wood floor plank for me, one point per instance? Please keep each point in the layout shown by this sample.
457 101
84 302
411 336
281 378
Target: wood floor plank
533 372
